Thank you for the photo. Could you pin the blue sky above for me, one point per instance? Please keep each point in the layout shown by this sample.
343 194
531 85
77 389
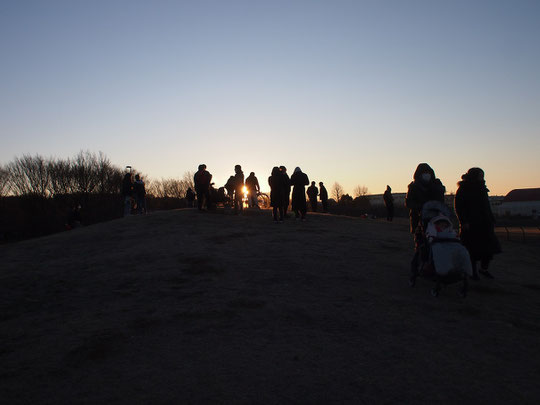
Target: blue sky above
358 92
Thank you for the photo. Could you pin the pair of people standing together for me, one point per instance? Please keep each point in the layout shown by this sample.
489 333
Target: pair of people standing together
280 190
477 223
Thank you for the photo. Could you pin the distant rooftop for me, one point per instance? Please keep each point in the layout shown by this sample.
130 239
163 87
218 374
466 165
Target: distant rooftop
523 194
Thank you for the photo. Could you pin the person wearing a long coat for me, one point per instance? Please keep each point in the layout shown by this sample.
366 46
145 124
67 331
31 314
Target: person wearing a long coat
278 188
323 195
424 188
299 180
287 183
477 223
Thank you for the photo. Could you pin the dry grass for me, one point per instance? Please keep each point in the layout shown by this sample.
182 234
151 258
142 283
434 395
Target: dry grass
182 307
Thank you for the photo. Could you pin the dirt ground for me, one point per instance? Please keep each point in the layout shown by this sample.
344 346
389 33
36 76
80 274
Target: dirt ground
187 307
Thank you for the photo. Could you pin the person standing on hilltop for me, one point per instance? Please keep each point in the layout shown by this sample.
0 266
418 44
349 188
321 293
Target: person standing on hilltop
127 193
287 190
140 194
312 193
202 180
238 189
425 187
389 203
190 197
253 188
299 180
323 195
477 223
277 193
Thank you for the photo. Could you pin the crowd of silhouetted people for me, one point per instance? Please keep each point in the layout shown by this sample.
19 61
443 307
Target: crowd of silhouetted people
471 203
281 186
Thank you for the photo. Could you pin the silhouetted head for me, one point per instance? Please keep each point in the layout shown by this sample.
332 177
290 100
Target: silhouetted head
252 174
137 177
202 167
297 170
283 169
237 169
276 171
424 172
320 183
127 176
474 174
388 188
312 183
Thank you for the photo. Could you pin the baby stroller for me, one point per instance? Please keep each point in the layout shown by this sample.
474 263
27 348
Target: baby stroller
439 254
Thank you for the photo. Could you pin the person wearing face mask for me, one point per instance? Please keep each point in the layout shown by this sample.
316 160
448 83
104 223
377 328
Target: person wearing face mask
425 187
477 223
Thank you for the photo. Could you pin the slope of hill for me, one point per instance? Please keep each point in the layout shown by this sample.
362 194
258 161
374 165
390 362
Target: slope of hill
182 307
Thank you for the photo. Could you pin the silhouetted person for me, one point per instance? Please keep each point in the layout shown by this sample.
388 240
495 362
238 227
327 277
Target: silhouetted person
299 180
229 186
312 193
127 193
277 193
287 186
238 188
190 197
74 218
140 194
323 195
425 187
389 203
253 188
202 180
477 223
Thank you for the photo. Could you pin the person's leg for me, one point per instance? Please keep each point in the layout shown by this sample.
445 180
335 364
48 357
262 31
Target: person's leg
274 213
474 270
127 206
200 197
484 264
281 213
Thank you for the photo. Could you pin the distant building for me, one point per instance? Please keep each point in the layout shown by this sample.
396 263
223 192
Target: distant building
523 202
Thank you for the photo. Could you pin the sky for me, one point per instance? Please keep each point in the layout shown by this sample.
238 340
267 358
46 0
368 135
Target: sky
357 92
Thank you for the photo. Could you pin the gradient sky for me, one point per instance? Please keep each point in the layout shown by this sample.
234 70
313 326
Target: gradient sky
357 92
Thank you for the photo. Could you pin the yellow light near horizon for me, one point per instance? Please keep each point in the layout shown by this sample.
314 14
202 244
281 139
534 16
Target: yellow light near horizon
245 190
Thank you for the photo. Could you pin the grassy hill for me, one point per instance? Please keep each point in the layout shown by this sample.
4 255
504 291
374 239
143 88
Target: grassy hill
184 307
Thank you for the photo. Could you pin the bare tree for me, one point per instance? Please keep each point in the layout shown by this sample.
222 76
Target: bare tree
337 191
61 177
360 191
4 181
85 171
29 175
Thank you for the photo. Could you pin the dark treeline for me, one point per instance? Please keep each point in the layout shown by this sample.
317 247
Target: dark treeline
37 194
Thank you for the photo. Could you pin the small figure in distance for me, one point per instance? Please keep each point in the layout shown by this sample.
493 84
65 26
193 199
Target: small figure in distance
299 180
253 188
425 187
140 194
389 203
323 195
74 218
202 180
277 193
190 197
477 223
229 186
312 193
127 193
287 187
238 189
